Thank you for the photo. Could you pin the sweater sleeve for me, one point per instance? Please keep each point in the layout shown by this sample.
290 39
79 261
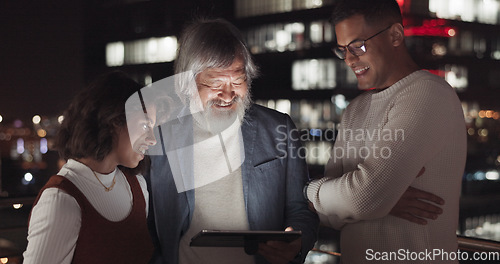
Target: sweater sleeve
53 228
334 168
370 191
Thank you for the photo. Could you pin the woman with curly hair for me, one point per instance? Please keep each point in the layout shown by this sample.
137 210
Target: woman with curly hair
94 210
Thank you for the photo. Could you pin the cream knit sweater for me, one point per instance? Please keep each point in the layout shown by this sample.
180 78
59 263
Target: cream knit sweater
385 138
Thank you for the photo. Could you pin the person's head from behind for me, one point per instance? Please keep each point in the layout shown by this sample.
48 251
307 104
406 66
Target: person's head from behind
95 124
370 38
223 69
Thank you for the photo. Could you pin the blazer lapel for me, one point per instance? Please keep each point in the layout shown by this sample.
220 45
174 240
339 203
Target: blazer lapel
249 132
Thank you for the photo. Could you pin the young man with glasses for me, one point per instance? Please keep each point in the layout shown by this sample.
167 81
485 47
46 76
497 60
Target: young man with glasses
407 123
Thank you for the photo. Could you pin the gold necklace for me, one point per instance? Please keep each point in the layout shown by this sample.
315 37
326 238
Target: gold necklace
106 188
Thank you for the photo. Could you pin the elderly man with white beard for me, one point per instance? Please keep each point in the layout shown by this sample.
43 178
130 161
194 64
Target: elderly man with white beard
222 167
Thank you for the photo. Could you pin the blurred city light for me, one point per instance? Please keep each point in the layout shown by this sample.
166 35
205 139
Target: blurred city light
28 177
141 51
43 146
18 123
36 119
492 175
41 132
20 146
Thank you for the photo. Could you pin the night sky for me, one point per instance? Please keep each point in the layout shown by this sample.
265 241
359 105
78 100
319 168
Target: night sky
41 53
41 57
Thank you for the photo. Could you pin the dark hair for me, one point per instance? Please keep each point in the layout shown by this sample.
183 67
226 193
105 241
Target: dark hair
374 11
91 122
212 43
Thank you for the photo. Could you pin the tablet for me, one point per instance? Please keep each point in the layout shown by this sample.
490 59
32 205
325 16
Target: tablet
247 239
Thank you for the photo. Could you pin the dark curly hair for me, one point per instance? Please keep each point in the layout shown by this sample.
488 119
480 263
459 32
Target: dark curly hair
92 120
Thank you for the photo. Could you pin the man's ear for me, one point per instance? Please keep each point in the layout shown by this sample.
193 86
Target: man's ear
397 34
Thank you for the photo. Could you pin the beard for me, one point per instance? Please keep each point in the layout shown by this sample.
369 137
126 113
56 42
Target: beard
216 120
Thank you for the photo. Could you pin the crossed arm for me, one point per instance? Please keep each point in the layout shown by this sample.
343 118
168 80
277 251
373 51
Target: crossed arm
416 205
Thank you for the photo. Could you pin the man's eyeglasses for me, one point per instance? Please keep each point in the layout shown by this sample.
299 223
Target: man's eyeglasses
356 47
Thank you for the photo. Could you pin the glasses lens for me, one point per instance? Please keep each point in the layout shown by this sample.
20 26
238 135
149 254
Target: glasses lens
340 52
357 48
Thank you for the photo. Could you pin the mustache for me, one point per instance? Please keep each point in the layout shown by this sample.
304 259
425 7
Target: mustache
237 99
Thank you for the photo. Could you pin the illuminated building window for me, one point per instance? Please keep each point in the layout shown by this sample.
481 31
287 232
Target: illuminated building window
483 11
275 37
310 114
321 32
314 74
456 76
283 105
115 54
495 48
247 8
288 37
142 51
487 11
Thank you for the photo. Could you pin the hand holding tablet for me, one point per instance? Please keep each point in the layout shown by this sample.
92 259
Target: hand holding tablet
247 239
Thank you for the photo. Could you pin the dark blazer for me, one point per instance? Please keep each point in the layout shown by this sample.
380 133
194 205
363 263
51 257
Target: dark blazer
274 172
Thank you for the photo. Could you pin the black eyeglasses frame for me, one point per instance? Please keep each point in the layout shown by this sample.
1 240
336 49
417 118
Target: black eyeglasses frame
341 51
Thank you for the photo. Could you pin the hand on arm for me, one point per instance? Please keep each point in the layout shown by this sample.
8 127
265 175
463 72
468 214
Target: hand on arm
416 205
311 207
278 252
